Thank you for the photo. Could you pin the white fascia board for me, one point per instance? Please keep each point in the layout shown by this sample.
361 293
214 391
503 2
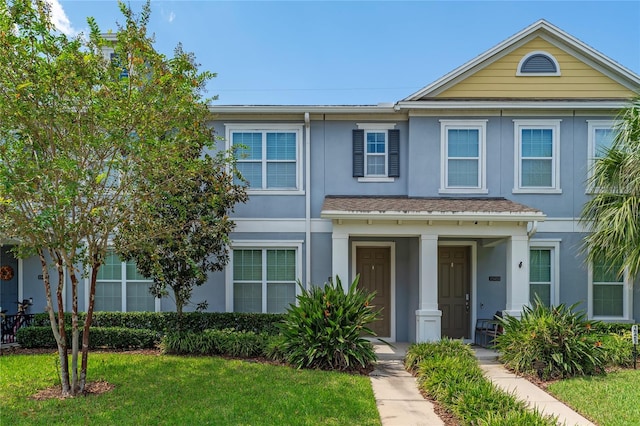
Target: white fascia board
525 104
466 216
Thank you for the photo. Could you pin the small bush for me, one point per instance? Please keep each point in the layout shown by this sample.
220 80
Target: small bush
551 342
617 349
242 344
99 337
448 372
327 328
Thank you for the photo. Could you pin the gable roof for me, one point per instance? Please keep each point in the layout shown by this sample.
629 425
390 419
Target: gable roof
546 31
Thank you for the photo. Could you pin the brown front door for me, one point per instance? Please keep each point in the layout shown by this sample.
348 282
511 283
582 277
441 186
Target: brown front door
454 295
374 266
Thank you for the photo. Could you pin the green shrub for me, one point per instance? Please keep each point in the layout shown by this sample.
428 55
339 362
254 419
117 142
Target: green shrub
242 344
448 372
163 322
617 349
100 337
327 328
550 342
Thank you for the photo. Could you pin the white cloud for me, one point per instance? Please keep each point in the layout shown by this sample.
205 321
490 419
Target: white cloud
172 16
60 19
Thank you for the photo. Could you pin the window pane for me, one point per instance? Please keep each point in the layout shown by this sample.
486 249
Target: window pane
540 265
280 296
281 175
463 142
108 296
247 297
537 143
604 272
252 142
463 173
247 265
608 300
252 172
375 165
133 274
281 265
112 267
543 291
375 143
281 146
604 140
536 173
138 297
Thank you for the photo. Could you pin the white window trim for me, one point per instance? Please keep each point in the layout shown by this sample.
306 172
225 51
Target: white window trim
553 245
230 128
592 126
376 128
260 245
538 74
554 125
481 126
123 291
627 299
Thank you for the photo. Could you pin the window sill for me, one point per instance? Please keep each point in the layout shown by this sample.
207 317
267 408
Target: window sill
275 192
376 179
536 191
614 319
463 191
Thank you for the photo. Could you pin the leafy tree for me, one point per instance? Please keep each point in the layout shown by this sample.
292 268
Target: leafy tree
612 215
78 133
195 213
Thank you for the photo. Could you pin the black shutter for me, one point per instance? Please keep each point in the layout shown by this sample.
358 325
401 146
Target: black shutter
358 153
394 153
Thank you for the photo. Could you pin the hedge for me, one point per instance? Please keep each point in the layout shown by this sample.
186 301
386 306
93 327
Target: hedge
163 322
100 337
217 342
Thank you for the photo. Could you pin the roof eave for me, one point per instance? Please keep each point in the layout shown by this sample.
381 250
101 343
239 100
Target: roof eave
513 104
409 216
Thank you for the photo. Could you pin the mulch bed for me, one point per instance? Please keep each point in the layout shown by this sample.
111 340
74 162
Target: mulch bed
91 388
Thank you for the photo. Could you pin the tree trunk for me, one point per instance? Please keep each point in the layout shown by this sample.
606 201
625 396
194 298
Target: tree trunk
57 327
87 324
75 385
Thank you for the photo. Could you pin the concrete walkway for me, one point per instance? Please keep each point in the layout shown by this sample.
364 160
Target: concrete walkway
396 391
401 404
525 390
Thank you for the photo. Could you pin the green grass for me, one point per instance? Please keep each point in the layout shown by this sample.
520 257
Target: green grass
609 400
164 390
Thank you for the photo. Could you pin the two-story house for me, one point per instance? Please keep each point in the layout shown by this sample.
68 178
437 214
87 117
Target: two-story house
458 201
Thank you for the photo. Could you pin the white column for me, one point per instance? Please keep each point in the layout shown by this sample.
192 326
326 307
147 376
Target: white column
340 257
428 317
517 275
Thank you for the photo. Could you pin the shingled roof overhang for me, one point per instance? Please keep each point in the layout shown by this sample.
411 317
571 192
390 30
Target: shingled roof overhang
428 208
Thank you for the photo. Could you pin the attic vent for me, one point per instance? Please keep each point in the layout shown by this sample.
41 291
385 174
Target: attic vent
538 64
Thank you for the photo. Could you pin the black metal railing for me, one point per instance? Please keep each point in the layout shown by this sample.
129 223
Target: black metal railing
11 324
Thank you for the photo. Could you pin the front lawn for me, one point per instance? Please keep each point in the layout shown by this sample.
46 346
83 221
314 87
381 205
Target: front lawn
609 400
164 390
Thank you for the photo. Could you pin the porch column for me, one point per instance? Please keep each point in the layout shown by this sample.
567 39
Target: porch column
428 317
340 258
517 275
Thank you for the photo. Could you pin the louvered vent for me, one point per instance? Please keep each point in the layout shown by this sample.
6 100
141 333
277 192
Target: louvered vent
537 64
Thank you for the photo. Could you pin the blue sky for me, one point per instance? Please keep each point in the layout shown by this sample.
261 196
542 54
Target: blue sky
353 52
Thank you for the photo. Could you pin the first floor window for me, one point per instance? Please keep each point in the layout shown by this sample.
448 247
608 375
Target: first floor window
608 291
264 280
120 287
540 280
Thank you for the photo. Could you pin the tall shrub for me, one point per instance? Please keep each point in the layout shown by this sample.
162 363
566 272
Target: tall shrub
328 327
551 342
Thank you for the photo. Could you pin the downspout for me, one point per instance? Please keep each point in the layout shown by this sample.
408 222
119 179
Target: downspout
307 198
534 229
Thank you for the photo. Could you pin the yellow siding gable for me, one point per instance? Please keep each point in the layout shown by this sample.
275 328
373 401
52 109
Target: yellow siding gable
498 80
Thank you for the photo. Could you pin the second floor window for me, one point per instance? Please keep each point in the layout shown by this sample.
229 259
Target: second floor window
268 159
537 165
463 156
